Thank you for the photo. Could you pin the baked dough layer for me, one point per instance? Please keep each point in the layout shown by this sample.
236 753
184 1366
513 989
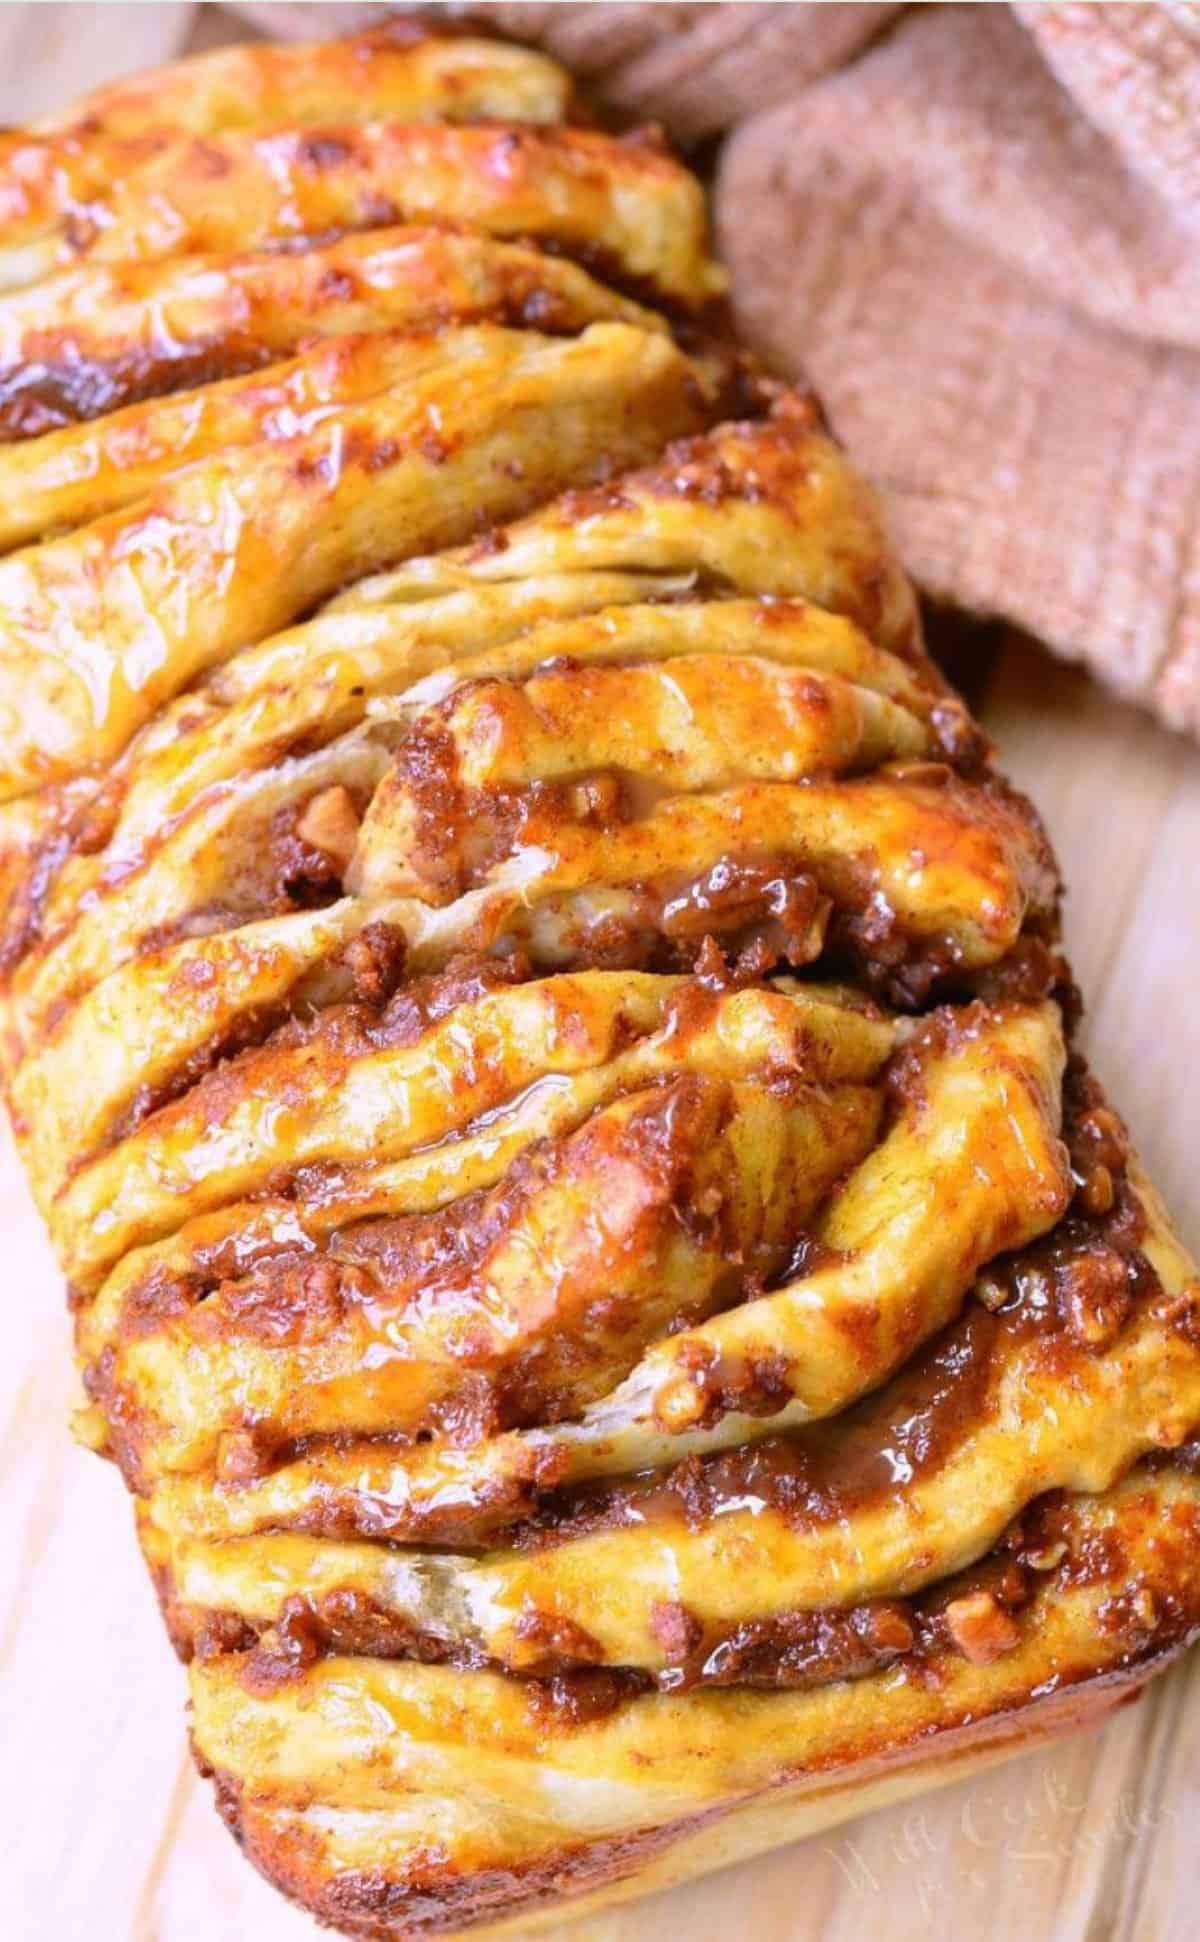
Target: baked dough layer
535 1024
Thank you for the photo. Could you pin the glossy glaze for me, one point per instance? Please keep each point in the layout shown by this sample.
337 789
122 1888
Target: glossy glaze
586 1241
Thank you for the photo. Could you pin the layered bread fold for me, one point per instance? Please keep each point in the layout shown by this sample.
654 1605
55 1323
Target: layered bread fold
535 1023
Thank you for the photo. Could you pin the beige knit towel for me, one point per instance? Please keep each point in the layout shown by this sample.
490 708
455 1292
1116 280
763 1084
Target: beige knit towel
977 229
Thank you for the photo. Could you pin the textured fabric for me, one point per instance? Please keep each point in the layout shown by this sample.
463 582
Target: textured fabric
1002 317
977 230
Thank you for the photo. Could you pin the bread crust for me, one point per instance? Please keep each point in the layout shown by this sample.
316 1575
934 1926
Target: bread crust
579 1883
632 1333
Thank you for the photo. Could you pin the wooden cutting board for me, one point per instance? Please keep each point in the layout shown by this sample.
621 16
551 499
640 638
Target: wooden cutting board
109 1835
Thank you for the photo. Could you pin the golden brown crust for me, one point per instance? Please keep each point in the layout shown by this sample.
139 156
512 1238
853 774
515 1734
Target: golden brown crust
89 340
577 1880
628 1326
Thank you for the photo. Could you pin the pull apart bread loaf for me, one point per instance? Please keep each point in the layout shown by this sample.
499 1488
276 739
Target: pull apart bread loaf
535 1025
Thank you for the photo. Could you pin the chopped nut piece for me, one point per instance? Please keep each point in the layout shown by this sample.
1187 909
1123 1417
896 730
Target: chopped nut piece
597 799
1013 1588
240 1457
1045 1557
1095 1297
1101 1130
1097 1192
991 1293
330 824
980 1627
679 1404
543 1639
676 1629
888 1627
375 961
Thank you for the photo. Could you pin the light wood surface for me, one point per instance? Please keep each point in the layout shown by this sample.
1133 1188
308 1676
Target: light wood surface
110 1836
